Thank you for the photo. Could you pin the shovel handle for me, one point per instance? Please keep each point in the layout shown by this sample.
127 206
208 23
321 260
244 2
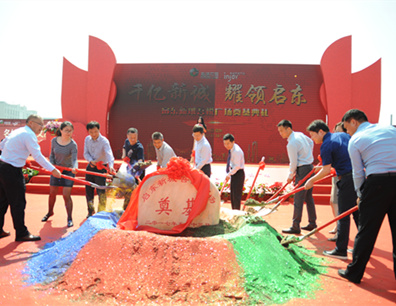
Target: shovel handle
285 196
255 178
339 217
279 191
309 174
222 188
286 242
66 177
261 167
86 172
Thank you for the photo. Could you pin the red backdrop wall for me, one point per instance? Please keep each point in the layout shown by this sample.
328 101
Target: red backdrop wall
245 100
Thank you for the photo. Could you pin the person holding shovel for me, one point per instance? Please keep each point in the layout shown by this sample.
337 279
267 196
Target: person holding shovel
63 153
299 150
372 149
234 168
334 153
133 150
98 153
15 150
163 151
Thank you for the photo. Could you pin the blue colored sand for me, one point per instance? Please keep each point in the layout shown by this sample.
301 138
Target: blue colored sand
51 262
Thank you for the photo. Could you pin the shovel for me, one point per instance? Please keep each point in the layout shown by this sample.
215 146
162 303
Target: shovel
293 239
66 177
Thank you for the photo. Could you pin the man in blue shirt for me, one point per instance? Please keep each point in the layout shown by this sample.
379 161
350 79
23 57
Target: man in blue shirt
334 153
299 149
372 150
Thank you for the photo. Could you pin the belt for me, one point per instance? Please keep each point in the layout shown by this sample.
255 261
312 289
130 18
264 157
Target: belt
7 164
304 166
344 175
383 174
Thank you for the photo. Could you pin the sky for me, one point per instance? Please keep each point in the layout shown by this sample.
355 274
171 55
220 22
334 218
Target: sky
35 35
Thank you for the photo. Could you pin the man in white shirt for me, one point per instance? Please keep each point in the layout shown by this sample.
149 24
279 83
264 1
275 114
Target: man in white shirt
163 151
299 150
235 170
98 153
372 150
203 150
15 150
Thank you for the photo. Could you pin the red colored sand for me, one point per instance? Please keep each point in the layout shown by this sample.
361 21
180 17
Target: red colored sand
152 267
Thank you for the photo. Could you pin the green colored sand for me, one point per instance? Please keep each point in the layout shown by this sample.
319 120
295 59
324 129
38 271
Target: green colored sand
274 274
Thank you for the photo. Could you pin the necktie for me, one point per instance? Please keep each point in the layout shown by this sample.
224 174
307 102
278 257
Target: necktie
228 161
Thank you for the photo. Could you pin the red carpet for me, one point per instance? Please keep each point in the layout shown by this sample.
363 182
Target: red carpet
378 286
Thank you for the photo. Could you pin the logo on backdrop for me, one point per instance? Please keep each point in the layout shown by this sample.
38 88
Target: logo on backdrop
194 72
230 76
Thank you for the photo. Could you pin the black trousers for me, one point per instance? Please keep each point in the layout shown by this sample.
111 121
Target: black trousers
90 191
378 199
236 188
12 193
346 200
207 170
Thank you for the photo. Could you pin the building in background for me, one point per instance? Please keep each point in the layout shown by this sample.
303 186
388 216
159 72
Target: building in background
10 111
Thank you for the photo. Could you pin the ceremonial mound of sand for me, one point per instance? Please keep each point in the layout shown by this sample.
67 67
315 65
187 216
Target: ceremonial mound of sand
140 266
239 262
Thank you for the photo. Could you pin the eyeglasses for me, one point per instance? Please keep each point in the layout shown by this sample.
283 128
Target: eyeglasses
67 131
41 125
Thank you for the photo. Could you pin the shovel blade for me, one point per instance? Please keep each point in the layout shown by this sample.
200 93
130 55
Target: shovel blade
289 240
93 185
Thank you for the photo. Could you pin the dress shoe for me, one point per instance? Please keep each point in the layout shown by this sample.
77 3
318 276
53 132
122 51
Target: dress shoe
4 234
69 223
336 254
309 227
343 274
334 238
291 230
28 237
45 218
